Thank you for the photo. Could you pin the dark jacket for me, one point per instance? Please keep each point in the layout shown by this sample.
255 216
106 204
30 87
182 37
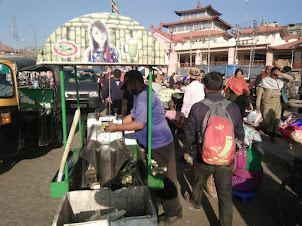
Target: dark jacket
258 80
115 90
196 116
171 82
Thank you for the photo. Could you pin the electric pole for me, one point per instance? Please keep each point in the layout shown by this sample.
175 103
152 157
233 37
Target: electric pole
246 1
35 38
236 47
253 46
15 34
191 46
209 54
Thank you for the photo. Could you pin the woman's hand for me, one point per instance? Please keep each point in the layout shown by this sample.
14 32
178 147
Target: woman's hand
111 127
257 108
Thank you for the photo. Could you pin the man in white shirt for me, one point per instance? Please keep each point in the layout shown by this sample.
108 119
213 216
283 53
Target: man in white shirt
194 93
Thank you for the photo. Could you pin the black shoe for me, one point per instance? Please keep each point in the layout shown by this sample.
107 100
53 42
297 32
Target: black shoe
194 205
187 197
169 220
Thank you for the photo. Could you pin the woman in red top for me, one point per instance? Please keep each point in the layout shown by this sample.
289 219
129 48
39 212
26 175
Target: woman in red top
237 91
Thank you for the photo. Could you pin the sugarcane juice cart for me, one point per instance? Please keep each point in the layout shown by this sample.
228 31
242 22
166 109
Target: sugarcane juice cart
130 44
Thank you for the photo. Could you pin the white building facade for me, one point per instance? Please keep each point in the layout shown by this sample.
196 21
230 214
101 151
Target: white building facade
201 37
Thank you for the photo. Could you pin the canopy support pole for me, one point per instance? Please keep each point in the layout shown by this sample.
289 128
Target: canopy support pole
78 106
149 122
64 115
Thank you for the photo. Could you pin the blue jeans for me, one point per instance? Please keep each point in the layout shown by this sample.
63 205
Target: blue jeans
223 182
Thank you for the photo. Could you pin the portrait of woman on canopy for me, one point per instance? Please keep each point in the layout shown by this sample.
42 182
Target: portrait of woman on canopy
100 49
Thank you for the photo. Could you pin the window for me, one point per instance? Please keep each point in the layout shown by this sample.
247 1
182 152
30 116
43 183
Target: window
170 30
86 77
180 28
194 15
205 25
201 14
197 26
6 82
83 76
185 16
190 27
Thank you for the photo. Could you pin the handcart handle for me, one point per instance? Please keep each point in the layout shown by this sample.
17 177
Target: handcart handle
69 140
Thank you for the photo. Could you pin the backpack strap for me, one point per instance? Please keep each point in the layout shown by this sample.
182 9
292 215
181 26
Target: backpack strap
225 103
207 102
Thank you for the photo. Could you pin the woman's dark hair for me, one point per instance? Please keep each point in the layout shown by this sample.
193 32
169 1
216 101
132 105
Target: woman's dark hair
133 81
213 81
134 85
287 69
274 69
94 44
237 70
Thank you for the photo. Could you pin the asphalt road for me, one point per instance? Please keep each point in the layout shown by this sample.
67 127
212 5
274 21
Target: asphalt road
25 190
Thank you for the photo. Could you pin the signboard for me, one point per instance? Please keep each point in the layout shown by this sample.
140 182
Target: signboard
102 38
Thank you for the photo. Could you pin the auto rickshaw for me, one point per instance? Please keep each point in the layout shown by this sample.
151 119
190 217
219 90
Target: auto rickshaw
26 124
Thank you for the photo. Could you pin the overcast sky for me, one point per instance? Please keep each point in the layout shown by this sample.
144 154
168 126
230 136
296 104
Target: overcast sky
47 15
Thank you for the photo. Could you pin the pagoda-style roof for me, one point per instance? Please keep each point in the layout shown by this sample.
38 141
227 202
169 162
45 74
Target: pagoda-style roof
173 37
203 33
209 7
266 29
183 37
200 19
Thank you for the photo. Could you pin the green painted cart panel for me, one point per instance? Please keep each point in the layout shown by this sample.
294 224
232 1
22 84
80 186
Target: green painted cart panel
58 189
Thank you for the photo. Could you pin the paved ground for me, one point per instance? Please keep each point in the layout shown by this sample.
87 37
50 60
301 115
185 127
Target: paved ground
25 186
25 190
261 211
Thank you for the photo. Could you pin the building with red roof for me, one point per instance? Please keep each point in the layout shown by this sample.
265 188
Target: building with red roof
6 49
201 37
186 41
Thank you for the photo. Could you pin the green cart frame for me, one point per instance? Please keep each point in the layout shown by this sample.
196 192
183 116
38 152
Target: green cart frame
127 43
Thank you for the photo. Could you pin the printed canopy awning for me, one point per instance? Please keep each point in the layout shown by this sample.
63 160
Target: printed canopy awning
102 39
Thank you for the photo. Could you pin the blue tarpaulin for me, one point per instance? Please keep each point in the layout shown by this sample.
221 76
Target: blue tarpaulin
227 70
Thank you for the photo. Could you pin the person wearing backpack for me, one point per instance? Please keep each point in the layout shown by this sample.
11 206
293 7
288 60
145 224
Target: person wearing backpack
218 125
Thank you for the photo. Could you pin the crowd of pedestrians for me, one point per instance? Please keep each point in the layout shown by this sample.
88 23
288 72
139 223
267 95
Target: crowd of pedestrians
212 120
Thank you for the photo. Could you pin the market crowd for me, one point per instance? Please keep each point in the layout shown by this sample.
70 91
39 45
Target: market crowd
215 116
